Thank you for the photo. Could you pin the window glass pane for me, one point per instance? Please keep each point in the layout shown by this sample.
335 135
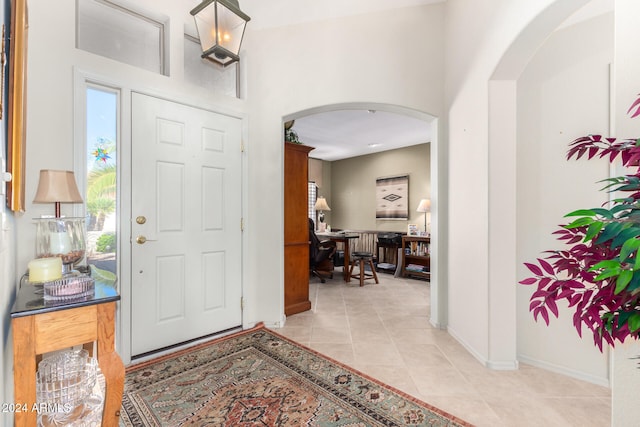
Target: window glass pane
205 73
120 34
313 195
101 184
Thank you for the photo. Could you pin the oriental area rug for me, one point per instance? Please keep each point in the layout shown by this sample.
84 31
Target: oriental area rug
259 378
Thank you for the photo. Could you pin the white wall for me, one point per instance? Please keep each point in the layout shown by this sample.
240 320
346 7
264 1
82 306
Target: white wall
476 38
7 293
479 36
562 94
8 287
392 58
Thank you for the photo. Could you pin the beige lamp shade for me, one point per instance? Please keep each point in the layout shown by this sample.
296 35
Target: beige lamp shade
321 204
57 186
424 206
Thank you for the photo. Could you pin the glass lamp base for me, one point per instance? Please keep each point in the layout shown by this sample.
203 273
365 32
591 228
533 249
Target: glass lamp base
68 271
61 237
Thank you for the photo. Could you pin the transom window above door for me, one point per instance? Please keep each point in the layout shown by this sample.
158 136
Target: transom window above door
124 35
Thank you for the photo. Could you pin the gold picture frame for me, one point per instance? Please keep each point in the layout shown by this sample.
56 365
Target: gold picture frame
3 64
17 108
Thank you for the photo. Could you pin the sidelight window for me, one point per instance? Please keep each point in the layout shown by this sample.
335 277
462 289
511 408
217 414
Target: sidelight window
101 181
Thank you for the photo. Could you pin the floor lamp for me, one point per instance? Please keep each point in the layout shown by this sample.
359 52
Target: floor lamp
424 206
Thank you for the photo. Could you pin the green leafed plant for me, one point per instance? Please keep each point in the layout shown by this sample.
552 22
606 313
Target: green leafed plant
598 273
291 136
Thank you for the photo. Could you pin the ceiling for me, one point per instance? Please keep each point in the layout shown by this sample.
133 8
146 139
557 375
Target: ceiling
342 134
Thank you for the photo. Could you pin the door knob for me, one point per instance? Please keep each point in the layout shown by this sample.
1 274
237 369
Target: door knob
141 220
141 240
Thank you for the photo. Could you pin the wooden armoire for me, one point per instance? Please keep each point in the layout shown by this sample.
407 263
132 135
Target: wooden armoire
296 228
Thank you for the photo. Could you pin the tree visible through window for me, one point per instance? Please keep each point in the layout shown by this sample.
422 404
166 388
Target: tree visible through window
101 188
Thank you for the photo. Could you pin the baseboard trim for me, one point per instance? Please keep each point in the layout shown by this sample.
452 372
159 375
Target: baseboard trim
515 364
437 325
509 365
467 347
563 370
276 324
503 365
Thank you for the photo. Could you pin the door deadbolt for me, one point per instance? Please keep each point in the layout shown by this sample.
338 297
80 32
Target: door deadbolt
141 220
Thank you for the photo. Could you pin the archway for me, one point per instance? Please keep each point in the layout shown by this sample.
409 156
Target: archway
438 215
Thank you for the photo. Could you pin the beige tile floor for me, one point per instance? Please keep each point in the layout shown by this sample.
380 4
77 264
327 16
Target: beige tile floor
384 331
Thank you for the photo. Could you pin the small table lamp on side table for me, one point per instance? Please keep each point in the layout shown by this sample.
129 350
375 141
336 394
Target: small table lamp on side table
58 236
321 206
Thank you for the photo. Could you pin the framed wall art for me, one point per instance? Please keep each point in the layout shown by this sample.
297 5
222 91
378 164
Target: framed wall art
17 108
392 197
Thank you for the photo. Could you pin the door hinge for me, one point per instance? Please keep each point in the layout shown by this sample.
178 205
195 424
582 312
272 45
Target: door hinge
242 303
242 145
241 224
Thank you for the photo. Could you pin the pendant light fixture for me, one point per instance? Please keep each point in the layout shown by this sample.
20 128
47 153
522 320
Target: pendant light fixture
220 25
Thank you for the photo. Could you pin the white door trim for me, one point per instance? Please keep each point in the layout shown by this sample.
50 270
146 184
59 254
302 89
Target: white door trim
82 78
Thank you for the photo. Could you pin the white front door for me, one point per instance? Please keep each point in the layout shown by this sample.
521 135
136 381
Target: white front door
186 223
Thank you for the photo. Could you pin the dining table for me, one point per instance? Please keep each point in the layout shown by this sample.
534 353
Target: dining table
344 238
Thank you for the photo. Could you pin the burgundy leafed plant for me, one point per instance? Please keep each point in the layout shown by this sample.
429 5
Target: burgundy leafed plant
598 273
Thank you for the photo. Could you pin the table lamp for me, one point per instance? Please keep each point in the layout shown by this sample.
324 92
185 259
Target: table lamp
424 206
59 236
321 205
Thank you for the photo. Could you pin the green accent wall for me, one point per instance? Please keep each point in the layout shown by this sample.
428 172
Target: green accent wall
351 187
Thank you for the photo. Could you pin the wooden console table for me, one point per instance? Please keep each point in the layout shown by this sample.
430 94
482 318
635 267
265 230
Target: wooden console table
41 326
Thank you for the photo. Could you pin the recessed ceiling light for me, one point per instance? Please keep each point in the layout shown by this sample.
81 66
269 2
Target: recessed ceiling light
371 111
374 145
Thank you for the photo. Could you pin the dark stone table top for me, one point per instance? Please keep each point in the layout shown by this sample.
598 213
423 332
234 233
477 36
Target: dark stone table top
30 299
